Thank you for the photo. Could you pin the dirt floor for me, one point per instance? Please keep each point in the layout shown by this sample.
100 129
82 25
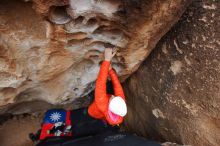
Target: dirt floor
15 131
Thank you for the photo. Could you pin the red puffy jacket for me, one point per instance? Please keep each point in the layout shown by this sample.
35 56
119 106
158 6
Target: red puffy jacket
99 108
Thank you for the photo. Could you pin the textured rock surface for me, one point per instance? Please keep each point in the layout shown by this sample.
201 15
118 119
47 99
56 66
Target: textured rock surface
175 95
51 50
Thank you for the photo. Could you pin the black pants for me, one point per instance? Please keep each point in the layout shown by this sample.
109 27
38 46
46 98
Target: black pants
84 125
104 139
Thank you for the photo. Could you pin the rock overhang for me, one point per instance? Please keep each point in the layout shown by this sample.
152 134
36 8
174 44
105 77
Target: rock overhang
51 50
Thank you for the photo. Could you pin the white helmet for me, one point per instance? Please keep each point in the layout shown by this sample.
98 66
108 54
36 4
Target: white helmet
118 106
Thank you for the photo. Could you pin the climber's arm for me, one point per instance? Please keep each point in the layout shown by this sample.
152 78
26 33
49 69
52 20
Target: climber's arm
101 99
118 90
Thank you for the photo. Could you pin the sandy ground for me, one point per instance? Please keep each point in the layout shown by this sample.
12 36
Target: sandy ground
15 132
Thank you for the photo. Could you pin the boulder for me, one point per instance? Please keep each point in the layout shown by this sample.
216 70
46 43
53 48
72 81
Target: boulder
50 51
175 94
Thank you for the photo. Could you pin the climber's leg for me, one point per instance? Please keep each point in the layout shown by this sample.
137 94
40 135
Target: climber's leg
84 125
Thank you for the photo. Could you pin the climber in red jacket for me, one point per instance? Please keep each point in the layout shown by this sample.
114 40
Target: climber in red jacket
111 108
92 120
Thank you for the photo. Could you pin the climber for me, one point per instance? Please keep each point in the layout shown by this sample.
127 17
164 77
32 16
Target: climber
111 108
93 125
106 111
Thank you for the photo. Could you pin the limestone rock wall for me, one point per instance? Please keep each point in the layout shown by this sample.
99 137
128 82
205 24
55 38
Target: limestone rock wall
51 50
175 95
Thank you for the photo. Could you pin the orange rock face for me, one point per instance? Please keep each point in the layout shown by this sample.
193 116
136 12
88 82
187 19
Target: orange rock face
51 50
